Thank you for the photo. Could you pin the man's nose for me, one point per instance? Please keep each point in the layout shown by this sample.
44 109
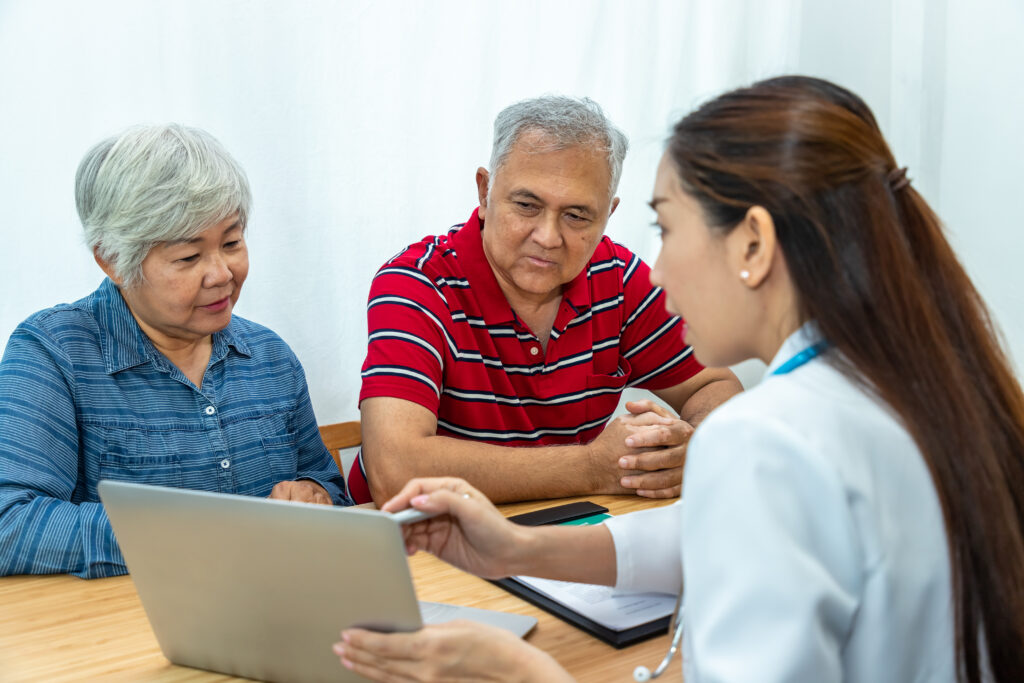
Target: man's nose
547 232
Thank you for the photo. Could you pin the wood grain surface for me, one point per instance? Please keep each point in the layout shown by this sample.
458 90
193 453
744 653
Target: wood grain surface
60 628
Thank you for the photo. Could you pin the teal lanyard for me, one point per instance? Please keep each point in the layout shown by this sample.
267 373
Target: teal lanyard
802 358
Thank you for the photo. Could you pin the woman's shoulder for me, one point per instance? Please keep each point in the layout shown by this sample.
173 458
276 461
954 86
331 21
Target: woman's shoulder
816 401
832 438
63 321
258 341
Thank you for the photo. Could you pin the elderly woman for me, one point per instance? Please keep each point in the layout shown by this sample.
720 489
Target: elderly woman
150 378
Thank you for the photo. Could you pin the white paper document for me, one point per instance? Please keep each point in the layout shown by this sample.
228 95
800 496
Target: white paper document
600 603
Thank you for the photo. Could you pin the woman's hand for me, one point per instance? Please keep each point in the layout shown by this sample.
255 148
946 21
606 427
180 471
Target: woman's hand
468 532
454 651
303 490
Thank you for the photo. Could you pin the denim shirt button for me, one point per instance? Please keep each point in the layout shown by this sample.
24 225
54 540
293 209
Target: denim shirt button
225 463
210 410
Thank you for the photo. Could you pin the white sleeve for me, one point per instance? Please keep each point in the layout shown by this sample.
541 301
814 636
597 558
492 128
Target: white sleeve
647 550
770 554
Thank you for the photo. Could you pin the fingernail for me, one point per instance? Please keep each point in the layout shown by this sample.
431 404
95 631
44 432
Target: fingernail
338 648
629 442
626 482
420 499
345 636
624 462
345 663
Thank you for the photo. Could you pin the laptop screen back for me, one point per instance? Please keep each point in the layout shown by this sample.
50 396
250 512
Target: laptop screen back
255 587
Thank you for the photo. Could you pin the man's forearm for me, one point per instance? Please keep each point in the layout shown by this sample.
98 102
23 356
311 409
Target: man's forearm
502 473
707 398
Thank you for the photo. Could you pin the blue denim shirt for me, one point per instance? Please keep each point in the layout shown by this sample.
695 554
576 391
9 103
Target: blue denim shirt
85 396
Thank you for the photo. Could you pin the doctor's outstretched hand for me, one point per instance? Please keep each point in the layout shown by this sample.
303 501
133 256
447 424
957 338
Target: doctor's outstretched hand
468 532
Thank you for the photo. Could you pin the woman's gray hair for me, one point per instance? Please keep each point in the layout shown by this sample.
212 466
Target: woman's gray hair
154 184
565 122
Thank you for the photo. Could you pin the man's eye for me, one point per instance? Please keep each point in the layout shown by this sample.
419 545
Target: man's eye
524 205
575 217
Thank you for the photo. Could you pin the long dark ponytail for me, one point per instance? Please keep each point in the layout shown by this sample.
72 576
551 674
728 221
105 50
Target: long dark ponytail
871 266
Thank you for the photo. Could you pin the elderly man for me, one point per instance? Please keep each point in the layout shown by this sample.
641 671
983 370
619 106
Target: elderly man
497 351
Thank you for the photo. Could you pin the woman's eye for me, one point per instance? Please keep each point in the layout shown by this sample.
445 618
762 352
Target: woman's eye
232 244
190 259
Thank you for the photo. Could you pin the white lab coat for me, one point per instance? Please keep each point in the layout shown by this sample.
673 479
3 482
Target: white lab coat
811 536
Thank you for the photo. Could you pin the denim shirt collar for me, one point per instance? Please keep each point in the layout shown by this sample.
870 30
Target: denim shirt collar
125 345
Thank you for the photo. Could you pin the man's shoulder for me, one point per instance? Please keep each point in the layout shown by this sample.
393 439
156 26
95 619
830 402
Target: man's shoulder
422 270
428 255
610 255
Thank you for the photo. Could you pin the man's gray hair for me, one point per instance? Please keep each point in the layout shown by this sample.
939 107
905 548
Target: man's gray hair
564 122
154 184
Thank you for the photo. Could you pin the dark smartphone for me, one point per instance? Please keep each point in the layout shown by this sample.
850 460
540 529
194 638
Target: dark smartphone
559 514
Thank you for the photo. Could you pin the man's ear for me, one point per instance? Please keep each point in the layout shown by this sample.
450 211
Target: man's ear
615 205
483 179
106 266
752 246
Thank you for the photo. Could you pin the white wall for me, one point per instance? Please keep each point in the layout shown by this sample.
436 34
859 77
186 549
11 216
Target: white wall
361 124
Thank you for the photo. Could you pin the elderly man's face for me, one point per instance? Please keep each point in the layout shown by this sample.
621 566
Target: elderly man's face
190 288
544 216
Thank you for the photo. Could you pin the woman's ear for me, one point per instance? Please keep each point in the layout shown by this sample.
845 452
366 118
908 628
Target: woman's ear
106 267
752 246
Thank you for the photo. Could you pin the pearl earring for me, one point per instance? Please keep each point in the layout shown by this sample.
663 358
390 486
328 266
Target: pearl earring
744 274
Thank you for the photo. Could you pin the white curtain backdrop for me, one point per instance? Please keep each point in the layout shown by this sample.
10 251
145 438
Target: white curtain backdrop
362 123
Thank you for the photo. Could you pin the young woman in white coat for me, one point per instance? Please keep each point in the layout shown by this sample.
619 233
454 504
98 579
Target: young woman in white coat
855 517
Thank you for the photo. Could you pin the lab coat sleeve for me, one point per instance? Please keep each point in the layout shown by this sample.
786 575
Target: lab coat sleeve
770 556
647 550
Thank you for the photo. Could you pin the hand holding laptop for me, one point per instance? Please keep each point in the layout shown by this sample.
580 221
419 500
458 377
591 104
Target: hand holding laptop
456 650
467 531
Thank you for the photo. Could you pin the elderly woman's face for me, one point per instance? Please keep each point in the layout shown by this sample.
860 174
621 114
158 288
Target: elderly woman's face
190 288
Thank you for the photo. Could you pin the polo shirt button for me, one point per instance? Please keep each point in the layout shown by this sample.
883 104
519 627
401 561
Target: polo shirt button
210 410
225 463
534 350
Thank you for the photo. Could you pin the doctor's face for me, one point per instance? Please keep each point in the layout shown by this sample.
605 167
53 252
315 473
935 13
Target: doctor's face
694 271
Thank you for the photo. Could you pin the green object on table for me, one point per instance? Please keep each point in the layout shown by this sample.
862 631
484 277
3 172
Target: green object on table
592 519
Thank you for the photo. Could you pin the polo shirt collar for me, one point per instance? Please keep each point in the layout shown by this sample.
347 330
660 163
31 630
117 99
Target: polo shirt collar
123 343
469 246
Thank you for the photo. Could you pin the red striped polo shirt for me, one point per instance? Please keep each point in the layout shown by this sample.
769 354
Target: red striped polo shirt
442 334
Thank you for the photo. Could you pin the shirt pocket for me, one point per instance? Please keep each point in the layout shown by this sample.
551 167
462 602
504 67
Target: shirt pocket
136 456
281 451
604 391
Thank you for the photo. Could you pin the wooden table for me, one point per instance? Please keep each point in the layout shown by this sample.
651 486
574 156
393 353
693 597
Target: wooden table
60 628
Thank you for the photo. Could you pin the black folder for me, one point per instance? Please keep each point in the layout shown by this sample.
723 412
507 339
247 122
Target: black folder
617 639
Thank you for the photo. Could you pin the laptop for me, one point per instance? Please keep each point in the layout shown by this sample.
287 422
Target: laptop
261 588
